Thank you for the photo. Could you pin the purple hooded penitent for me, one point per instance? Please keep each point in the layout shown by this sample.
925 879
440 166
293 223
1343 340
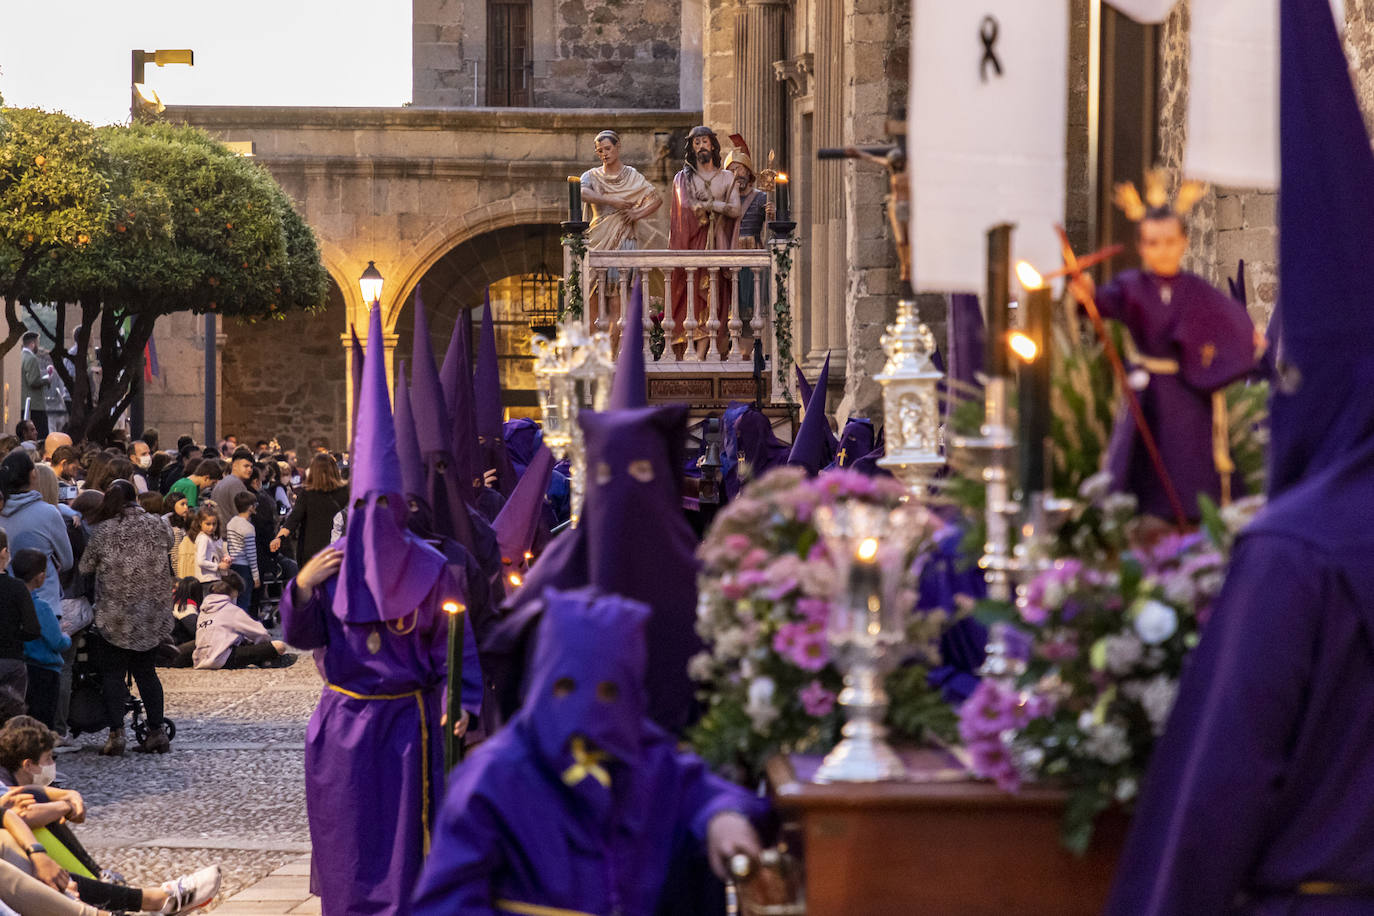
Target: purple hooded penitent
579 805
520 519
857 440
456 379
632 540
629 388
815 444
381 640
1259 788
749 442
486 385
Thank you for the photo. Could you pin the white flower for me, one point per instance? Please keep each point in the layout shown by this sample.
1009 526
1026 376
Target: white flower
1121 653
1096 486
1180 590
700 667
1126 789
1155 621
1119 504
760 708
1157 699
1107 742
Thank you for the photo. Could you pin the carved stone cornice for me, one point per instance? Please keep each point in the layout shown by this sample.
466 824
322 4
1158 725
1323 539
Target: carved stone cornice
796 73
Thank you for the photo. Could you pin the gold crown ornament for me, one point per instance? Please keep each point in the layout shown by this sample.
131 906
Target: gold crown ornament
1129 202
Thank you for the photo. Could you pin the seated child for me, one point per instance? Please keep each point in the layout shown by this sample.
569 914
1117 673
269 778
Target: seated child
226 637
26 756
42 656
580 804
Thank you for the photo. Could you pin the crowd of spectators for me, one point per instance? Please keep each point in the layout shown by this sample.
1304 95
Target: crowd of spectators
115 561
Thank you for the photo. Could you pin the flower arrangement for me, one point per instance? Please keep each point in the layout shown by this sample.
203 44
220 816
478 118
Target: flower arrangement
1080 682
765 594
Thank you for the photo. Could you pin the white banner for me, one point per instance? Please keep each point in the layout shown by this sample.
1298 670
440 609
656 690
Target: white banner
988 106
1145 10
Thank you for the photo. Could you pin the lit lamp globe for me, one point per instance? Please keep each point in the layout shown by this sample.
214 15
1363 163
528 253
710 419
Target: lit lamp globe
371 284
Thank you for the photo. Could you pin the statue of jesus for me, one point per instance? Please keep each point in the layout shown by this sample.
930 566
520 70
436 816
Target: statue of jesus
705 201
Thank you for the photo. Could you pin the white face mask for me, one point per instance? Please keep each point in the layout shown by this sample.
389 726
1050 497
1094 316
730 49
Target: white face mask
145 461
45 775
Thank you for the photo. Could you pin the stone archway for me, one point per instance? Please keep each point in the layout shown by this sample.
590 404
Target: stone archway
455 285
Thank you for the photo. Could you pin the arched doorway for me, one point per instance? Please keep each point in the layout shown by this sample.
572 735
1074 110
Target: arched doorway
505 260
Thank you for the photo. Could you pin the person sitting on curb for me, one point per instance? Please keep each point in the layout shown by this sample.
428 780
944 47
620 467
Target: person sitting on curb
33 803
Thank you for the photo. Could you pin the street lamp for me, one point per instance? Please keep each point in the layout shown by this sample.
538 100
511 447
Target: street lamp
371 284
144 101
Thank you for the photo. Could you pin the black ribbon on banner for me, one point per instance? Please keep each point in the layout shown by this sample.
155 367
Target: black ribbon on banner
988 32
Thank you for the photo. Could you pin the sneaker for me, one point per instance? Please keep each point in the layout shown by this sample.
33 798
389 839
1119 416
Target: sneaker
191 891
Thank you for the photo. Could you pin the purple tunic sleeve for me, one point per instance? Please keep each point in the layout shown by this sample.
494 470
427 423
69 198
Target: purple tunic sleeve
1111 300
302 626
1213 786
458 879
704 795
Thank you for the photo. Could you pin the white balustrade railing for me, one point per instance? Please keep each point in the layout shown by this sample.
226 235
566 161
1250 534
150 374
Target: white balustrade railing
723 346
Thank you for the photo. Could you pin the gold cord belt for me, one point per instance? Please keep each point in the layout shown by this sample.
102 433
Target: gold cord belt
534 909
419 696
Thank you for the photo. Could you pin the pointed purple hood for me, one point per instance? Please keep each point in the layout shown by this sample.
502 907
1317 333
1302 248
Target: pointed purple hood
814 447
486 385
1320 414
356 371
456 379
386 570
518 522
803 386
443 490
407 444
629 389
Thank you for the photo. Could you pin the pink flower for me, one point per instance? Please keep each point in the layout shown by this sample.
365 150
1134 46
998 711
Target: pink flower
816 700
754 558
802 644
814 610
737 543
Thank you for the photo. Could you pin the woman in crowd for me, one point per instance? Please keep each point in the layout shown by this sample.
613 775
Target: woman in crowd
31 522
116 467
312 518
177 514
133 609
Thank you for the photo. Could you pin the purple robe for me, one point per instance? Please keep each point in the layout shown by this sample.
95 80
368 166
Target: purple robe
522 825
1210 337
367 756
1261 782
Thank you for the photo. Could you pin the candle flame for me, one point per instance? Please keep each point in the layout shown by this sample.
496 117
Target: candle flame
528 556
1030 277
1022 346
452 607
574 179
514 579
868 549
782 178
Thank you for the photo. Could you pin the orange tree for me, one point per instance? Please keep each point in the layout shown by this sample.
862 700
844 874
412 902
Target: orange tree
189 226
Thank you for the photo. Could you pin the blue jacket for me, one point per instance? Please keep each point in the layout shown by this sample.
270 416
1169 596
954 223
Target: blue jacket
46 651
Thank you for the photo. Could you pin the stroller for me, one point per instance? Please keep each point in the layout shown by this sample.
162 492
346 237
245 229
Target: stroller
273 587
86 713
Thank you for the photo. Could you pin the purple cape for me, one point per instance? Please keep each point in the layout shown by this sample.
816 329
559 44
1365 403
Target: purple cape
523 826
857 440
1211 338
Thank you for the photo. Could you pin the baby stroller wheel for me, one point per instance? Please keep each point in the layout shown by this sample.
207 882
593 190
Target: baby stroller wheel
141 729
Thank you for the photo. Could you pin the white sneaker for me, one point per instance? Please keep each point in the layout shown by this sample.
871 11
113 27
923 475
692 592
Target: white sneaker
191 891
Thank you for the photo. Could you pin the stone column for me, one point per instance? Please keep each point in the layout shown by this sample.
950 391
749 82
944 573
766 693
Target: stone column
828 266
760 27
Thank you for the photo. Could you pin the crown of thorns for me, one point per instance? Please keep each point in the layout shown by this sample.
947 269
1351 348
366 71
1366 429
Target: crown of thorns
1156 200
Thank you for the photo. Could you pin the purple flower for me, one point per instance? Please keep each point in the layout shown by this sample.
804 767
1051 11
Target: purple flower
816 700
737 543
802 644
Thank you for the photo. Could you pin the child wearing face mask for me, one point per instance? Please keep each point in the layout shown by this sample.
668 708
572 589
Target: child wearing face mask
34 804
42 656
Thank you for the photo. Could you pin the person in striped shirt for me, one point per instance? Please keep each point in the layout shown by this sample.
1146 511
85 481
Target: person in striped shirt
243 546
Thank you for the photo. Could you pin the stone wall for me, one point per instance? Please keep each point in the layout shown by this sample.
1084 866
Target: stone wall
582 53
718 65
286 378
877 35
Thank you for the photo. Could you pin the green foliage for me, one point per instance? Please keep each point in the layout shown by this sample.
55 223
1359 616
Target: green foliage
52 193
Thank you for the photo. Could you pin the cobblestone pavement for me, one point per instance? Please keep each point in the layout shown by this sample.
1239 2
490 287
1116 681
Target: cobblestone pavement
231 790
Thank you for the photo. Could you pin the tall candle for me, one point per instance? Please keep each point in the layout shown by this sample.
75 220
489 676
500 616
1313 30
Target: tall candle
453 745
782 198
574 199
998 297
1033 391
